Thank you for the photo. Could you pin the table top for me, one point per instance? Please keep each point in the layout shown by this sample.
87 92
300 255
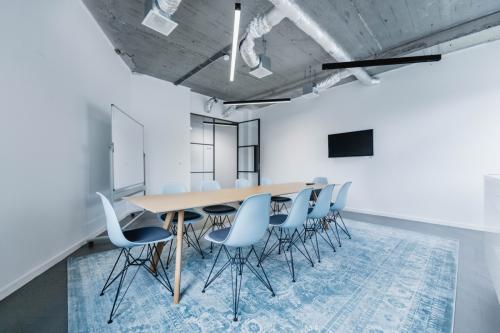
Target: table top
182 201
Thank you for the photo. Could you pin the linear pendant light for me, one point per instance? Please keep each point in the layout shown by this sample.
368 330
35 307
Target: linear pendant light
382 62
236 28
259 101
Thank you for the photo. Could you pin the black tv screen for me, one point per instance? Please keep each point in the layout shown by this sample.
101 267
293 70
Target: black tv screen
358 143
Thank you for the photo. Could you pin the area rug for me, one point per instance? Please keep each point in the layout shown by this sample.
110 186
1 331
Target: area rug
382 280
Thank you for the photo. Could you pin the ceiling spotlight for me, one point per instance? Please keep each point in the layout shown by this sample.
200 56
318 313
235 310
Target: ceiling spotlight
226 57
236 28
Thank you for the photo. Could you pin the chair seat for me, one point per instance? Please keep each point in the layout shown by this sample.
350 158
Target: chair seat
147 235
280 199
277 219
219 209
217 236
189 216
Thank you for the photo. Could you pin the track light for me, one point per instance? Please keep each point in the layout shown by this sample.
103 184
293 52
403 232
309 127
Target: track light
236 28
259 101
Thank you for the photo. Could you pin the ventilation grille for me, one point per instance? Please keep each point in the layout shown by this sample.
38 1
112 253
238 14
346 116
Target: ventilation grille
156 21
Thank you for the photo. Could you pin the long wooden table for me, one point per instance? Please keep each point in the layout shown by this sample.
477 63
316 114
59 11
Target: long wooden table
177 203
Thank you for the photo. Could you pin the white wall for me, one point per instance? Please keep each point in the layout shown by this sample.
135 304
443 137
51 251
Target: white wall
435 136
163 109
59 75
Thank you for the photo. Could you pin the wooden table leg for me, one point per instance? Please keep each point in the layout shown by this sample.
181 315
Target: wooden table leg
166 225
178 257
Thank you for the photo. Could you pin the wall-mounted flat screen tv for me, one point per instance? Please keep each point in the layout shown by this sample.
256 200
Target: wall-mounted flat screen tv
359 143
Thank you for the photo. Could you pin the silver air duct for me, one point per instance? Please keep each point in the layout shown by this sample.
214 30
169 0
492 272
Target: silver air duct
331 80
228 111
257 28
291 10
210 104
158 15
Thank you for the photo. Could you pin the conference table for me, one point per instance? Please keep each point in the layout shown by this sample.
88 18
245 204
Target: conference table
178 203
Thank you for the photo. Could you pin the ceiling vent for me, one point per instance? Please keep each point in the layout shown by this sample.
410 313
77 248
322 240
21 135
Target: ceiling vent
264 68
158 19
309 91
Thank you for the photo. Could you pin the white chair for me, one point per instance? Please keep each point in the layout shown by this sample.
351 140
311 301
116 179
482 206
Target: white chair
278 203
217 214
147 238
242 183
338 206
290 232
250 225
316 219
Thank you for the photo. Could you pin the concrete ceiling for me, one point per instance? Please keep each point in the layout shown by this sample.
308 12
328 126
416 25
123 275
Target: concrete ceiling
366 29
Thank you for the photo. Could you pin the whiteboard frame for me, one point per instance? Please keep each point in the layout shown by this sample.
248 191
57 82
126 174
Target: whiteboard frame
117 194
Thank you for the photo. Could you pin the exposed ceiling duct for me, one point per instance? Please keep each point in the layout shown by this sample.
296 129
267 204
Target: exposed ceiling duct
257 28
210 104
158 15
291 10
331 80
227 111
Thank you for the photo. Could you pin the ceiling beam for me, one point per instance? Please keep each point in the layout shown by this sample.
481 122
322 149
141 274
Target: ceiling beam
204 64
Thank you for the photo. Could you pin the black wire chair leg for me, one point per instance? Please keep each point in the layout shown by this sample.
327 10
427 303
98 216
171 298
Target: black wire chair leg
236 283
208 281
264 279
194 242
344 229
308 256
262 255
106 285
289 261
203 231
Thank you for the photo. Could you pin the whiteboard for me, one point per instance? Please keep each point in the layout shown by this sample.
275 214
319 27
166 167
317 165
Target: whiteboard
128 150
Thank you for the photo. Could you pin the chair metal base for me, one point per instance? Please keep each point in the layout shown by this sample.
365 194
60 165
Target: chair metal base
333 217
286 241
278 207
191 241
315 227
139 261
237 261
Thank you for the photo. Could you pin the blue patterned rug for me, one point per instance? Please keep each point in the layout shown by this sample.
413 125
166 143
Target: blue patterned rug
383 280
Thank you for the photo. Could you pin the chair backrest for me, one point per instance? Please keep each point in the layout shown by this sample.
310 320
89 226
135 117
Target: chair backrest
266 181
112 225
341 201
322 205
251 221
242 183
209 185
173 188
298 213
320 180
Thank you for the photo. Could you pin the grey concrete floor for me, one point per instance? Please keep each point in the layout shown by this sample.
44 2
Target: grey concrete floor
41 305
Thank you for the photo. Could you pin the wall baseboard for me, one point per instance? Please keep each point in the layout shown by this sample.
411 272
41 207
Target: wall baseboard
424 220
30 275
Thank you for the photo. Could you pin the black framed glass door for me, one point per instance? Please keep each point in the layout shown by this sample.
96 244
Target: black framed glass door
248 154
